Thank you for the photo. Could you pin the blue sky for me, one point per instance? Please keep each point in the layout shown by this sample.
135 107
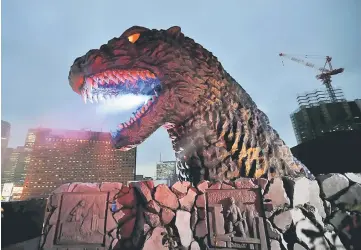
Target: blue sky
41 39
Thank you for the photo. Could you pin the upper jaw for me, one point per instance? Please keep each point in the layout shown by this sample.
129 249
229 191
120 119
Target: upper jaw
114 82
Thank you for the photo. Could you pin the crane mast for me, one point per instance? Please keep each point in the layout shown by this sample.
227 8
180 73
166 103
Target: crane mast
324 76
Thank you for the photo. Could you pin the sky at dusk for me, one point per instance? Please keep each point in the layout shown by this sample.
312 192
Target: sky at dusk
41 39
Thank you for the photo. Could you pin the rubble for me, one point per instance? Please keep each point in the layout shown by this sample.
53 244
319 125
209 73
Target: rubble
318 214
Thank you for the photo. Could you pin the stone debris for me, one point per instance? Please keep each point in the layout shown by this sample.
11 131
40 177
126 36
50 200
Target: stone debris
166 197
202 186
354 177
283 221
194 246
128 199
180 188
275 245
277 193
153 207
152 219
167 215
182 222
332 184
155 241
143 190
187 201
352 196
318 213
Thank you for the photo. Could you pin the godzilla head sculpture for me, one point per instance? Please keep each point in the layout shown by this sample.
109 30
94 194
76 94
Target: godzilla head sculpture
216 129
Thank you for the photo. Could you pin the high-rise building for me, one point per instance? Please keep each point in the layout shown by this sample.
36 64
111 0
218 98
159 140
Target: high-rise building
62 156
5 135
166 170
317 115
11 171
7 167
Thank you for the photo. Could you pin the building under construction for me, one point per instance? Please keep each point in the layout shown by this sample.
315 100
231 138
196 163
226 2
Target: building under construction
322 112
317 115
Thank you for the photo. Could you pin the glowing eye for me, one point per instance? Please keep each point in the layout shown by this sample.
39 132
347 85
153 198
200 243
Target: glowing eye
133 38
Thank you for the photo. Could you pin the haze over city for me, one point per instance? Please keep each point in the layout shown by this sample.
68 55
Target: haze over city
41 39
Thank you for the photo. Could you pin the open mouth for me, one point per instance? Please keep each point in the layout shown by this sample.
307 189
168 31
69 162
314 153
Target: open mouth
111 85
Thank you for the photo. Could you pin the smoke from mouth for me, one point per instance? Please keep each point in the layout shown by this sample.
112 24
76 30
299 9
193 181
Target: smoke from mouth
122 103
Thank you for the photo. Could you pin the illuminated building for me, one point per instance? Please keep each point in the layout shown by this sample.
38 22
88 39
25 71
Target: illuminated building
64 156
317 115
166 170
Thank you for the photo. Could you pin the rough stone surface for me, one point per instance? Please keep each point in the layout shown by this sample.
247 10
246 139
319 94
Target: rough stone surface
202 186
182 223
142 221
277 193
110 186
306 191
354 177
216 185
167 215
201 229
180 188
86 187
63 188
143 190
352 196
187 201
153 207
194 218
283 221
126 229
275 245
166 197
272 232
154 242
152 219
128 199
297 246
332 184
194 246
201 201
337 219
244 183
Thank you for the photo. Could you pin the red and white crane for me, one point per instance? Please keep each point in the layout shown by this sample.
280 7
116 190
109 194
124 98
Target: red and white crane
324 76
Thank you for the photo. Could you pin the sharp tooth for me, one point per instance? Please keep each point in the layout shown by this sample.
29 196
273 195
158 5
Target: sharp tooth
100 97
90 97
95 97
90 82
83 95
156 94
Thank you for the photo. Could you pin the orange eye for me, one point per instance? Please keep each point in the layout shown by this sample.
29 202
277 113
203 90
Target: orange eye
133 38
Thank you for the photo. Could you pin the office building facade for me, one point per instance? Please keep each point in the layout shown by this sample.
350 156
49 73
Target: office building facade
316 115
166 170
59 156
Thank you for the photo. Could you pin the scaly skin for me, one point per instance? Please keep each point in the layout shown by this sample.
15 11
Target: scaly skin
217 131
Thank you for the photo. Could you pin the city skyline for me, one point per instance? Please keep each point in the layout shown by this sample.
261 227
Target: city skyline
245 38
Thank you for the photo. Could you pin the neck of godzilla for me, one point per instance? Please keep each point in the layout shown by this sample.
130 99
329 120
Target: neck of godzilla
229 137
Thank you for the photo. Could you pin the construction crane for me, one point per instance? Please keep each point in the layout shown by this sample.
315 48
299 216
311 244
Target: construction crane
325 75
